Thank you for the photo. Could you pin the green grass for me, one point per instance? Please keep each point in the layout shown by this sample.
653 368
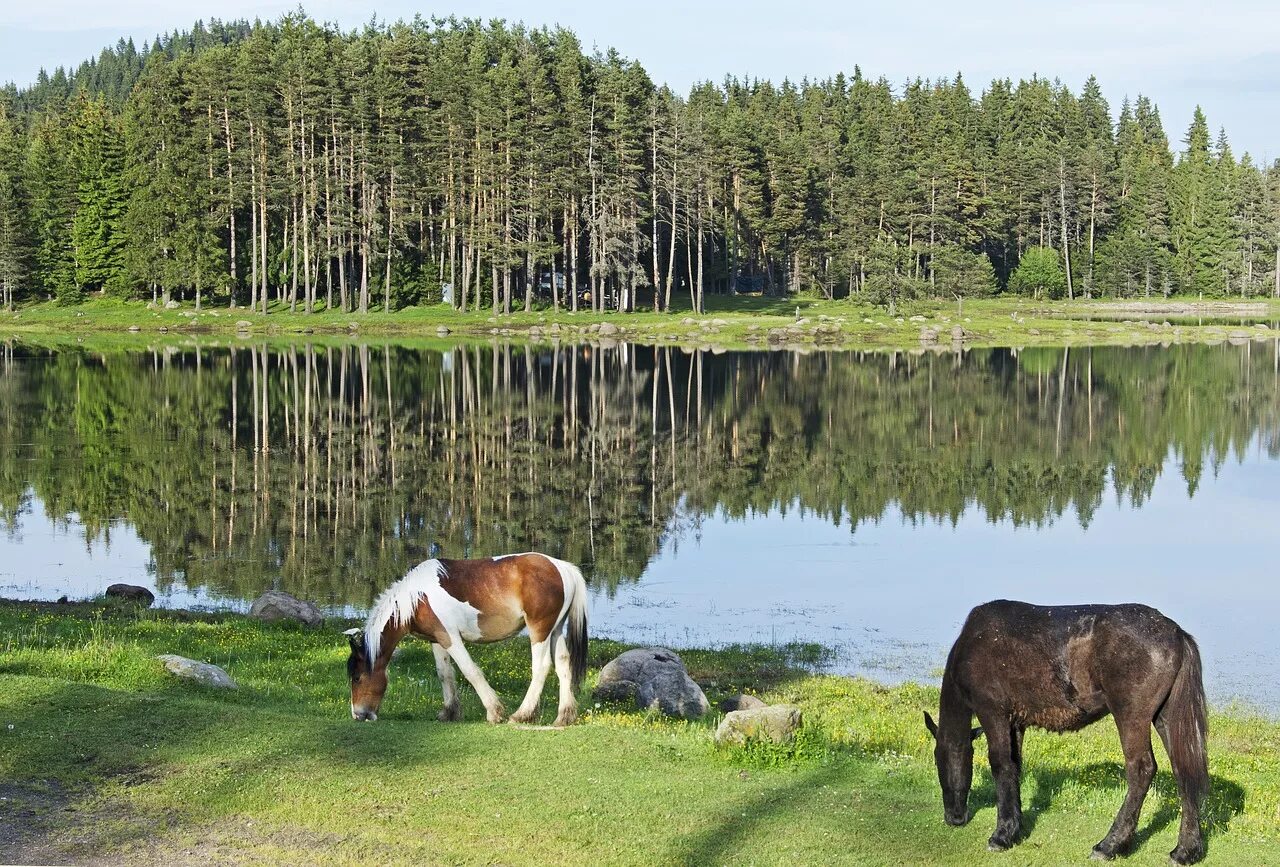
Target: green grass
730 322
105 755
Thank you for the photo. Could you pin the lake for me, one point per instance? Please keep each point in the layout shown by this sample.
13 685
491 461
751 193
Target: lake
861 500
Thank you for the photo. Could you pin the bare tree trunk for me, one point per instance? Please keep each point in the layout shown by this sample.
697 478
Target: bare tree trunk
1062 200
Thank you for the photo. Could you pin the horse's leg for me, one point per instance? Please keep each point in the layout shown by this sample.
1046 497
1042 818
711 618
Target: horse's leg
452 710
568 713
1139 769
541 666
1005 768
1190 848
494 712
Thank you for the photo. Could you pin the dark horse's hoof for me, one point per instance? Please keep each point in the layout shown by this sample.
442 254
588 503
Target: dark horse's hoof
1101 855
1186 856
998 844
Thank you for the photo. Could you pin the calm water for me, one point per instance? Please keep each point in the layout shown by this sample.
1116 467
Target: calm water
866 501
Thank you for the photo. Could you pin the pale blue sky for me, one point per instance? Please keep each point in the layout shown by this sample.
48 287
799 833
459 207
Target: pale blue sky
1220 55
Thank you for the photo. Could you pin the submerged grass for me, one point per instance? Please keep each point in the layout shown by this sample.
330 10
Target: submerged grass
107 757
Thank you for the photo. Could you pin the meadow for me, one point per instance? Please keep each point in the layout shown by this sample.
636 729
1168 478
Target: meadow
108 759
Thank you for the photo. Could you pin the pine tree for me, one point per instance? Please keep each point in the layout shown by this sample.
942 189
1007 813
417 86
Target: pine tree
96 163
14 243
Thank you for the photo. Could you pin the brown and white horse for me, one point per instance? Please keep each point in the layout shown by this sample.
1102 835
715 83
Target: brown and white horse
448 602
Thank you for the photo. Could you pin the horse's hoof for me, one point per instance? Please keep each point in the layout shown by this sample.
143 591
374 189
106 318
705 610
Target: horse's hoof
1101 855
566 718
523 716
995 844
450 714
1182 856
496 715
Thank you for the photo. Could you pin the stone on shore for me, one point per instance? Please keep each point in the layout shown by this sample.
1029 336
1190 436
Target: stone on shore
776 724
276 605
652 677
203 673
132 593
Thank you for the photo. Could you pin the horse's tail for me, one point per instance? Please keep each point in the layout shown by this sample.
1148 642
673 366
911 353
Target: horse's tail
575 587
1185 724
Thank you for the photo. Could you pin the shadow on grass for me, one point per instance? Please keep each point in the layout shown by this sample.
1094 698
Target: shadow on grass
1225 801
77 752
730 831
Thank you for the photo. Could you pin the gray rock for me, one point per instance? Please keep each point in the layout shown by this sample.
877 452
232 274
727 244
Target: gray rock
957 333
442 330
928 335
171 305
608 328
776 723
201 672
276 605
740 702
243 325
134 328
132 593
653 677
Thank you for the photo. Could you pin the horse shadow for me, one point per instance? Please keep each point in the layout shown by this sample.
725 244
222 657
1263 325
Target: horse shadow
1224 801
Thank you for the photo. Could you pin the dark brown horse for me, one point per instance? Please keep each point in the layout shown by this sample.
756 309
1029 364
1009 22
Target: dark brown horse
448 602
1061 668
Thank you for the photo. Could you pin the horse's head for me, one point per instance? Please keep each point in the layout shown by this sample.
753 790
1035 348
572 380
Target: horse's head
953 753
368 683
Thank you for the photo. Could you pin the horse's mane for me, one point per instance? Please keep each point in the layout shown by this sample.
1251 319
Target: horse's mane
398 602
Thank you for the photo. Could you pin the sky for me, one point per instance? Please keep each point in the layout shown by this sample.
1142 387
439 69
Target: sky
1219 55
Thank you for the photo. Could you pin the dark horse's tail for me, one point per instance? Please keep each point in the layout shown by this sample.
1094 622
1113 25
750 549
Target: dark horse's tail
1183 723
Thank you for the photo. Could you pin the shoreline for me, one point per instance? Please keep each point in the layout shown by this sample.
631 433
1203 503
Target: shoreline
730 323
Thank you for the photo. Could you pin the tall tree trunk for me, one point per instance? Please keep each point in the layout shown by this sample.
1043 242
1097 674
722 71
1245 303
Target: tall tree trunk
1062 201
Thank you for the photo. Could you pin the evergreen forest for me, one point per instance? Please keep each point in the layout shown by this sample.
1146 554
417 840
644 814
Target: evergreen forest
294 165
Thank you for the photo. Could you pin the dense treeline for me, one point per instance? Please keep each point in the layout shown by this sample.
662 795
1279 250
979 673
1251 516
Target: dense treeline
494 166
328 470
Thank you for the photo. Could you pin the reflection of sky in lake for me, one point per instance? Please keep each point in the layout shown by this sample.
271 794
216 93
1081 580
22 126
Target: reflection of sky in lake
892 596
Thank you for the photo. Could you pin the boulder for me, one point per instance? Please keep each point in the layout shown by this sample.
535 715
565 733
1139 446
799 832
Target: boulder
928 335
275 605
171 305
740 702
958 333
243 325
201 672
773 724
608 328
652 677
132 593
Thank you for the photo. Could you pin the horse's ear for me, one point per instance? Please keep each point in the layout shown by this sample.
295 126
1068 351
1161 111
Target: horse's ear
975 734
930 724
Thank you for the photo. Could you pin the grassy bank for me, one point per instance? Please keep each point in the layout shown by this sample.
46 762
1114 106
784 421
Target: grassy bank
106 758
736 322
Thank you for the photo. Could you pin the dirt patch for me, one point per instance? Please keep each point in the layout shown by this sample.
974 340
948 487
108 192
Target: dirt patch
46 824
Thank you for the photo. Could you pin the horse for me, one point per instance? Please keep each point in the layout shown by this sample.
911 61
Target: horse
1061 668
448 602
